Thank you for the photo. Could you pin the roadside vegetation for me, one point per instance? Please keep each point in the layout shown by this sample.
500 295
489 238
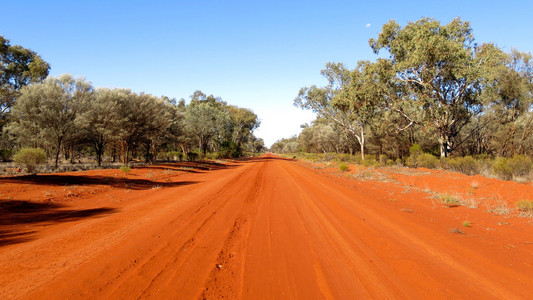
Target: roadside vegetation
434 98
518 168
73 123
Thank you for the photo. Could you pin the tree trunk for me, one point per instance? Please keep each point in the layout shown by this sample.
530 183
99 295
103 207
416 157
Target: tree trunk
362 143
99 148
59 142
443 144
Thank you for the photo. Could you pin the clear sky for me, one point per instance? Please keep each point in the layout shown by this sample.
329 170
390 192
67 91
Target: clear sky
254 54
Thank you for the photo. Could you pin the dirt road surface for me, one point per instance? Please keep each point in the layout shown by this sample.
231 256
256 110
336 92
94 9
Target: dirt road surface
263 228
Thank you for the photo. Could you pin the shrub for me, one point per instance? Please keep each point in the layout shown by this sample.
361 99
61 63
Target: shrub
467 165
30 157
467 224
415 151
344 157
125 170
5 154
427 160
370 162
344 167
501 168
519 165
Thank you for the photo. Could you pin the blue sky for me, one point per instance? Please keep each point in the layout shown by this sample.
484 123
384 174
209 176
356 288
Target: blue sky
254 54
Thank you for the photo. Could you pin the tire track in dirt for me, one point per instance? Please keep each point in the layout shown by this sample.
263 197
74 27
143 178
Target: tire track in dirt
266 229
453 268
133 254
226 278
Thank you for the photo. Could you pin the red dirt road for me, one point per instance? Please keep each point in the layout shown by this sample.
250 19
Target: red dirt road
264 228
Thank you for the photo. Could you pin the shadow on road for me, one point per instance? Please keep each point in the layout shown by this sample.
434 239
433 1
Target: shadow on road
191 167
62 180
14 213
263 159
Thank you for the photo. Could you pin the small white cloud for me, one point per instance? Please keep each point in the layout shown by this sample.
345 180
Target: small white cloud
368 25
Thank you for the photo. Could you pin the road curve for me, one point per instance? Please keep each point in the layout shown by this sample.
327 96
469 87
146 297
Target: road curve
266 228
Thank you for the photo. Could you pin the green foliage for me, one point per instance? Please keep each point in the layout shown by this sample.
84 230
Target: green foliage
204 119
467 165
370 162
125 170
418 158
520 165
18 67
426 160
45 113
502 169
427 60
343 167
229 149
415 150
5 154
412 161
467 224
30 157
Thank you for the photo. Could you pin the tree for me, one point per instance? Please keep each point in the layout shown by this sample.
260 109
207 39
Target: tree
243 122
509 102
361 99
441 70
101 121
321 101
45 113
144 120
203 119
18 67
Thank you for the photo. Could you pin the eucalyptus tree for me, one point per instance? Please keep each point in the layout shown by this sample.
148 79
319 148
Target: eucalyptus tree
18 67
510 102
242 124
326 102
361 99
45 113
441 70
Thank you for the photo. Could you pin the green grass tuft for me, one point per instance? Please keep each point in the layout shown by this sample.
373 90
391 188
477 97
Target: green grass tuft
449 200
125 169
344 167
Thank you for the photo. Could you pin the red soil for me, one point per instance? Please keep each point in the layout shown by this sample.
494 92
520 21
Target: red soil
261 228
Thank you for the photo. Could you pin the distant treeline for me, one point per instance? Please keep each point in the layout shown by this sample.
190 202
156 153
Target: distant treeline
433 86
70 119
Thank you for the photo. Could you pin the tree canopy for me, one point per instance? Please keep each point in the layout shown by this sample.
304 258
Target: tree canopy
432 85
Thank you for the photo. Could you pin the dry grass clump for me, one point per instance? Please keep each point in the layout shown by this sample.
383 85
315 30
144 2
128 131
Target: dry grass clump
525 208
449 200
502 209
